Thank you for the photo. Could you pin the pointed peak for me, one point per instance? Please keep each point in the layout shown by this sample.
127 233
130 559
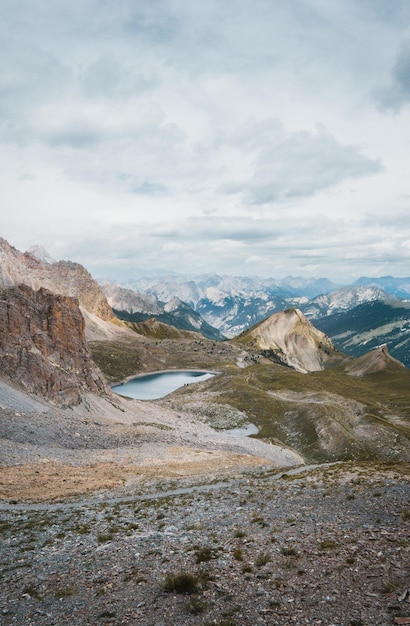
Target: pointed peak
289 338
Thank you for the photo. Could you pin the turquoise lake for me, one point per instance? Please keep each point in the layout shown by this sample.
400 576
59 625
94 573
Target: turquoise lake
159 384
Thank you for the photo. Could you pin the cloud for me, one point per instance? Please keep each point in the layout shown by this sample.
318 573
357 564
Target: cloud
290 165
396 94
180 134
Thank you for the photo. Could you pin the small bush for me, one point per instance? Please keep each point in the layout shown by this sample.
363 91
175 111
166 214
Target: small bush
289 552
238 554
32 592
262 559
183 582
205 554
195 606
65 592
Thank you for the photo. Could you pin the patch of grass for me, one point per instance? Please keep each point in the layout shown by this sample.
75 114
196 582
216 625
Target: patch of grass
258 519
183 582
262 559
240 534
289 551
195 606
32 592
82 529
64 592
103 537
107 614
205 554
116 360
238 554
405 515
328 544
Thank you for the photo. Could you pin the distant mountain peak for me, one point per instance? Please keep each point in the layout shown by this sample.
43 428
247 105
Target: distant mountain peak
41 254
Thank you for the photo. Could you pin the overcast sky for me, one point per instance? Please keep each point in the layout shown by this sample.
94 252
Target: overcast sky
267 137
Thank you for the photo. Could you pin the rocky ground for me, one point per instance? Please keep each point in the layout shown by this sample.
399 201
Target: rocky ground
119 512
327 546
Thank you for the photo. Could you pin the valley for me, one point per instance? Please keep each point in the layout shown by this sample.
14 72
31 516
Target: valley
108 503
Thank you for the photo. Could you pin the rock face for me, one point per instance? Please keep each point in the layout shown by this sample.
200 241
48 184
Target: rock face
42 345
62 277
289 338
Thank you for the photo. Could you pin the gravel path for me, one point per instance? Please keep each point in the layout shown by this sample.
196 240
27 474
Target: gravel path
328 547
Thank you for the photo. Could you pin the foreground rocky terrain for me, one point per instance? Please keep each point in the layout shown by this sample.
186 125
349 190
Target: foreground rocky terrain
326 546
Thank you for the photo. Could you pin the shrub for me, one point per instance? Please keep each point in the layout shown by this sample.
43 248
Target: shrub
183 582
238 554
205 554
262 559
195 606
289 552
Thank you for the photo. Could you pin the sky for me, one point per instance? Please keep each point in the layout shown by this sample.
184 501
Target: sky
242 137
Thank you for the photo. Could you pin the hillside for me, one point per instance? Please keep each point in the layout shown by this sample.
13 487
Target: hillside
374 362
369 325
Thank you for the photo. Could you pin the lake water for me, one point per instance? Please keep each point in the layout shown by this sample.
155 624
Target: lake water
159 384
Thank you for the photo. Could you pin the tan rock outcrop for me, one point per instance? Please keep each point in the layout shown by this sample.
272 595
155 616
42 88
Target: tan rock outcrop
289 338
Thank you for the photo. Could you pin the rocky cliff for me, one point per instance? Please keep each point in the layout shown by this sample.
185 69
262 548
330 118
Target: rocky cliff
62 277
42 345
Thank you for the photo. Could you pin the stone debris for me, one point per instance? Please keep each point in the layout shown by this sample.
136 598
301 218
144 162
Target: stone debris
327 546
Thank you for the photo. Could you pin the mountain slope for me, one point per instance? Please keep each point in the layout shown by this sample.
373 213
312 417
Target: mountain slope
370 325
375 361
292 340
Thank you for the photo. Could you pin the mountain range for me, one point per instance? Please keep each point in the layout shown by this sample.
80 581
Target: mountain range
357 317
62 342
